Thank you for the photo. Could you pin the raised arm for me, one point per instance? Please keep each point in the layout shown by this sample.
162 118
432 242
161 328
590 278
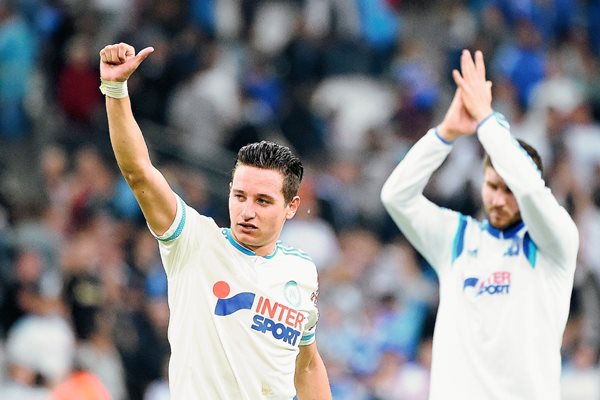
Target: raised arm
155 197
550 226
427 226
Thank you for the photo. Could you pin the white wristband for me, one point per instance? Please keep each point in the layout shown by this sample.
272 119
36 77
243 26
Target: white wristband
114 89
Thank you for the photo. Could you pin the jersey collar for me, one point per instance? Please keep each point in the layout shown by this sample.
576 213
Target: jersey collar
227 233
507 233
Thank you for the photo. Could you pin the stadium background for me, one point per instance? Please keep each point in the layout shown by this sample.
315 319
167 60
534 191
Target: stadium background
350 85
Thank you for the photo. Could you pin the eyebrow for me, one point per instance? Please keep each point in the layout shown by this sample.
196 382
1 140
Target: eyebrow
259 195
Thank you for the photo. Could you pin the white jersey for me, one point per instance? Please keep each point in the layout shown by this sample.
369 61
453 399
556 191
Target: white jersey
504 295
236 319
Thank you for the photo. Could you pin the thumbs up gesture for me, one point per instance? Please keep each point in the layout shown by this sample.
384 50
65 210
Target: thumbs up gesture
119 61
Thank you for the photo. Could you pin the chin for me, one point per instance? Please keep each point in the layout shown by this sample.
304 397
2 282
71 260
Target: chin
505 224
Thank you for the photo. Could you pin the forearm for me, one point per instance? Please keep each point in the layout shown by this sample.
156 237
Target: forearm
508 158
422 222
311 380
155 197
409 178
550 226
127 140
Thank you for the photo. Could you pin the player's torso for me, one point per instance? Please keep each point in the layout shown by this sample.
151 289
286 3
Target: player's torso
245 312
496 309
490 274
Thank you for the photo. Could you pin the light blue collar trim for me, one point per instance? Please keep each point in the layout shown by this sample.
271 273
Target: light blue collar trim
242 248
503 234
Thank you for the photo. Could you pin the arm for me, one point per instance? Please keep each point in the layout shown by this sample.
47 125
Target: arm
155 197
549 224
311 376
428 227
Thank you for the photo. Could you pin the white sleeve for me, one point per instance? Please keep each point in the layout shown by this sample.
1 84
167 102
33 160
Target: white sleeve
428 227
188 233
550 226
174 231
308 334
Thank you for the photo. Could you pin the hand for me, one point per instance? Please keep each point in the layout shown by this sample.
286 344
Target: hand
457 121
118 61
476 92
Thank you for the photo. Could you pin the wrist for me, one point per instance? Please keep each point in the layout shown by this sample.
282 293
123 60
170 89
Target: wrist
114 89
445 134
483 114
482 120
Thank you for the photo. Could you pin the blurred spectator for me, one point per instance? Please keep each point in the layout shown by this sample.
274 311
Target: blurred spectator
141 337
417 88
397 270
203 107
78 85
582 139
18 50
303 128
340 100
380 29
32 288
309 232
40 349
79 385
522 61
84 293
54 170
99 356
159 388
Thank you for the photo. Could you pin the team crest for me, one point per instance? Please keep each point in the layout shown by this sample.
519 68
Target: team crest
291 291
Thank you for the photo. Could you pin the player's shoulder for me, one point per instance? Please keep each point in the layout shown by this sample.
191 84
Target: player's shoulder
293 253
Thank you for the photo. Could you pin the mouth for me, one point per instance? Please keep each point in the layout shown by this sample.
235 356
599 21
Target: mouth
247 228
496 216
497 212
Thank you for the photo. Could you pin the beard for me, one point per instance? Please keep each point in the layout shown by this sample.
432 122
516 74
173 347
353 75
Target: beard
502 219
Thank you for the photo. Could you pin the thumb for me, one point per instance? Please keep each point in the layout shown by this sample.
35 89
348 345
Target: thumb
143 54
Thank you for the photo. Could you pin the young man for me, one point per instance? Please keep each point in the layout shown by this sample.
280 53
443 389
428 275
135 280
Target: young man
242 305
505 283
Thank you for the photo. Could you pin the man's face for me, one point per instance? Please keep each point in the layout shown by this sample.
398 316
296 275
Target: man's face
499 202
257 208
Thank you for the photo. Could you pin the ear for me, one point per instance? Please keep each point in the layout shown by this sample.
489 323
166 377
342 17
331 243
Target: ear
292 207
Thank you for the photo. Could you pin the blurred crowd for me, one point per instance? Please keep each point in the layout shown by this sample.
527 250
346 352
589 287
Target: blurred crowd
350 85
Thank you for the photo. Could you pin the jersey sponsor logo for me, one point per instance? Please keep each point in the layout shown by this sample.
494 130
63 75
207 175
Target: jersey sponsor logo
280 321
283 322
497 283
226 306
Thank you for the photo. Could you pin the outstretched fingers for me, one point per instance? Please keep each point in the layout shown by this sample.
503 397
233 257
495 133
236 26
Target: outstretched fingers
467 67
480 65
476 90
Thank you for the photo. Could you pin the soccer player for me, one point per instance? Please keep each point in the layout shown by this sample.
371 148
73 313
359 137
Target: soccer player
243 313
505 283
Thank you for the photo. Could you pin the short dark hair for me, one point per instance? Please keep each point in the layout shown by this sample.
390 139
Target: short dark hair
533 154
269 155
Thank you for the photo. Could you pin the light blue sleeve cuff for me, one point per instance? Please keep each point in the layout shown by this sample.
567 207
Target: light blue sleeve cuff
448 142
177 226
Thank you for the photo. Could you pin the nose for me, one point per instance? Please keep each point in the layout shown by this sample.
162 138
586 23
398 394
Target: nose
248 211
499 199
